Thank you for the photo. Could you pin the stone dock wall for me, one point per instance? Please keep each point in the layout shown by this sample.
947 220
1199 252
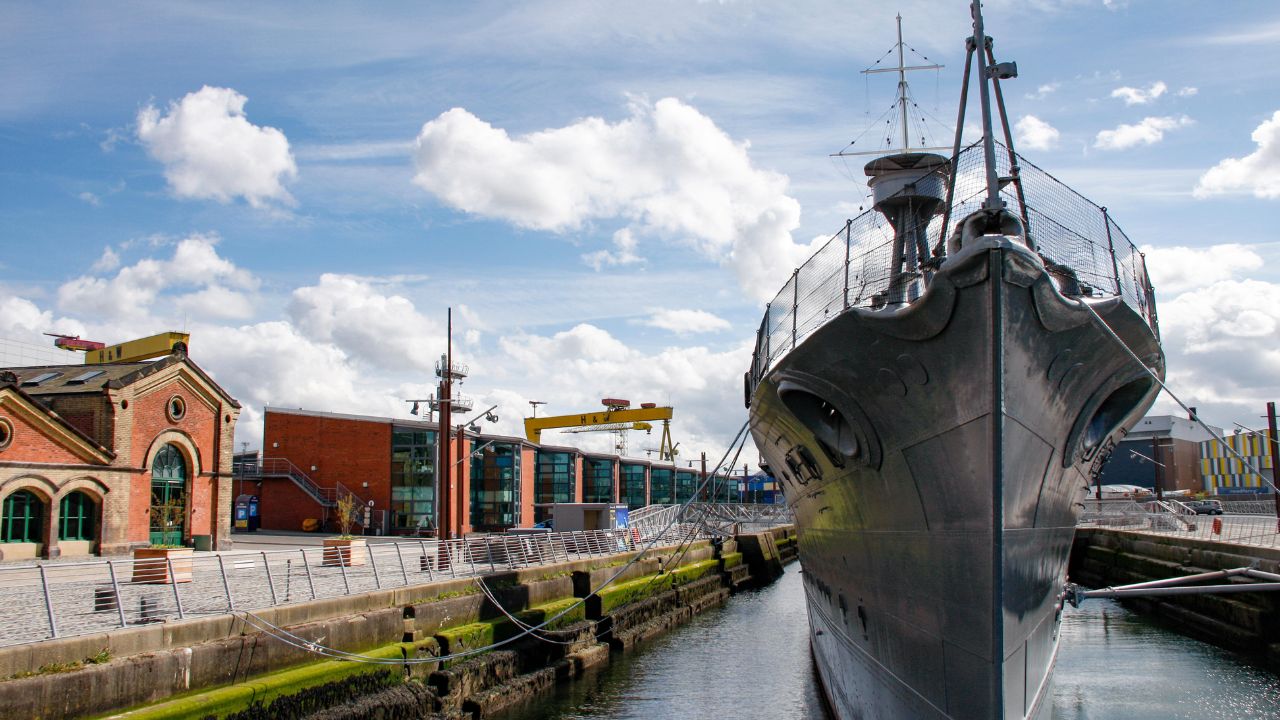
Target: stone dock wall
1245 622
225 667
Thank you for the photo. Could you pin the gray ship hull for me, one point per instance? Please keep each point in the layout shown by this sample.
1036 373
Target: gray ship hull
934 457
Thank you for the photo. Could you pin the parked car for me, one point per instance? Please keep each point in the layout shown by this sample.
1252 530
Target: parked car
1206 507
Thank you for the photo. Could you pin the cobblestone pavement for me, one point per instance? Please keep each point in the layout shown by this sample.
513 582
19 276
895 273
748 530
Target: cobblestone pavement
88 597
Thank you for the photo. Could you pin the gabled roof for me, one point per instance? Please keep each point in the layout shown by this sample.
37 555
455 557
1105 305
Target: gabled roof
75 379
64 433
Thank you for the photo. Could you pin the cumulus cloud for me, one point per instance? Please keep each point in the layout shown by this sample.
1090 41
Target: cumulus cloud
210 150
193 276
1257 173
667 170
1035 134
1149 131
1179 269
1140 96
624 253
687 322
382 330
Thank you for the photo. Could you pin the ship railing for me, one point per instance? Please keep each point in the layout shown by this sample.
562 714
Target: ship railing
1175 519
1083 248
62 598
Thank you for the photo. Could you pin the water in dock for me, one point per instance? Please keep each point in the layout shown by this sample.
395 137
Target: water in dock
750 659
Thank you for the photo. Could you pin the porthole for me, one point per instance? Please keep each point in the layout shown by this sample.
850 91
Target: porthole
6 433
124 404
177 408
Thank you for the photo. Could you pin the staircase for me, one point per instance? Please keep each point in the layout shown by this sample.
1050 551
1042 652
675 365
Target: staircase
326 497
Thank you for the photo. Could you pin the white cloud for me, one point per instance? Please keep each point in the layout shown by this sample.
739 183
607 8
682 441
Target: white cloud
1176 270
1139 96
687 322
1149 131
1188 91
210 150
625 254
194 268
667 170
384 331
1257 172
1035 134
90 198
108 262
1043 91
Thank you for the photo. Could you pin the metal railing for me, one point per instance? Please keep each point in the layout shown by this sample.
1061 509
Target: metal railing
713 518
1248 527
59 599
278 467
1079 243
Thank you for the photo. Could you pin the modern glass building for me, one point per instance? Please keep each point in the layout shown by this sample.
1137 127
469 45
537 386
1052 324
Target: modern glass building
633 484
597 479
662 489
556 480
413 479
686 485
495 487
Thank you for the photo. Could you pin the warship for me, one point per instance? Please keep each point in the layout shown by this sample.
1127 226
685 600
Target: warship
935 390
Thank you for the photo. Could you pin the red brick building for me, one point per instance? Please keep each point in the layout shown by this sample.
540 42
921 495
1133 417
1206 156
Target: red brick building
100 459
310 459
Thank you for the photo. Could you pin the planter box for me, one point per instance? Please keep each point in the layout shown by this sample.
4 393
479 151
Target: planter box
151 565
345 552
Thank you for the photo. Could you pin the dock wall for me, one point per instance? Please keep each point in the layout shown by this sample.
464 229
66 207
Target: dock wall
1246 622
225 667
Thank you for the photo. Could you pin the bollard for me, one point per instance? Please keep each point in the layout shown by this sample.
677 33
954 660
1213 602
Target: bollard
1217 526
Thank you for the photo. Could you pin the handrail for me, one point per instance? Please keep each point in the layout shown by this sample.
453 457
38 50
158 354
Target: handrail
1081 246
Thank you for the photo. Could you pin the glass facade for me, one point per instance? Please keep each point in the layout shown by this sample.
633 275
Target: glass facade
634 485
76 517
662 486
22 519
555 481
686 485
597 480
495 487
413 479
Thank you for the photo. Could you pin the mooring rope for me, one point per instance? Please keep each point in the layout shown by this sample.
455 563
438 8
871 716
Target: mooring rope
296 641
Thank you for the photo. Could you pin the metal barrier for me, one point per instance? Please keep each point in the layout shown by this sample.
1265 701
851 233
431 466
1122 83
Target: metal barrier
1078 241
59 599
1176 519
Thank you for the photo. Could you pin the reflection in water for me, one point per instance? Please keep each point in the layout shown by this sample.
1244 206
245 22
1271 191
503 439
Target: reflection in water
1115 665
750 659
747 659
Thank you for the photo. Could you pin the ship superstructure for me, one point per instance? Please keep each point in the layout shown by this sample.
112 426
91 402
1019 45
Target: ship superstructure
935 392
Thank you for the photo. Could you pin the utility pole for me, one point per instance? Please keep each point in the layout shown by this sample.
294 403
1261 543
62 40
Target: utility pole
1274 447
704 481
444 441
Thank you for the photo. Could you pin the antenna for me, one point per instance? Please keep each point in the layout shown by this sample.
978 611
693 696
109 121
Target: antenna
902 69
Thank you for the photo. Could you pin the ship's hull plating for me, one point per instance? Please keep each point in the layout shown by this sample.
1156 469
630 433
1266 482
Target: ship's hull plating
934 457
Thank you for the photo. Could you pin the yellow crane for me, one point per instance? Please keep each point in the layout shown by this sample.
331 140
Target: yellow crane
96 353
618 415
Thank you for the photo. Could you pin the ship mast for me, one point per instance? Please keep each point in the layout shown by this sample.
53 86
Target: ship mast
902 69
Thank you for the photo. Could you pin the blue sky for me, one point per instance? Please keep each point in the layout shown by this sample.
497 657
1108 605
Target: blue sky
606 193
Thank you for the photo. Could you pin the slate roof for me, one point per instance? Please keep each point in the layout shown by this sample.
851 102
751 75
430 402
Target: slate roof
76 379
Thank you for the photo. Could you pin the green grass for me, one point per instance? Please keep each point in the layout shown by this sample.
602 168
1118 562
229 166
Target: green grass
103 656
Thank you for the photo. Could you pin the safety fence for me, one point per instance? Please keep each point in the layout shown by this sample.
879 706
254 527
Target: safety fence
59 599
1249 524
1081 246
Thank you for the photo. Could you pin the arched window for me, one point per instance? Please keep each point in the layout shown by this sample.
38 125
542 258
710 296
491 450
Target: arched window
77 517
168 497
22 518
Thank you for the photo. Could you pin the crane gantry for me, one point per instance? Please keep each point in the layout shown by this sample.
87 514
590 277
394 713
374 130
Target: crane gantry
618 416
